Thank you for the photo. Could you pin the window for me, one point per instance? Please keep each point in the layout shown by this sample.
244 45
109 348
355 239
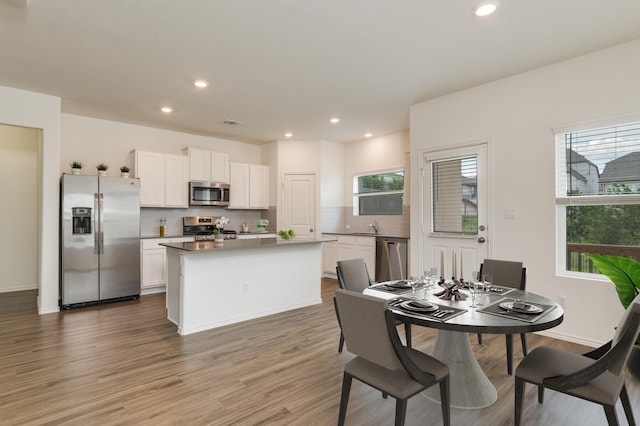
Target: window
378 194
455 196
598 193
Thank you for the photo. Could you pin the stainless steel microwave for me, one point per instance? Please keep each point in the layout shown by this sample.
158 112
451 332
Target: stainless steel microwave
208 194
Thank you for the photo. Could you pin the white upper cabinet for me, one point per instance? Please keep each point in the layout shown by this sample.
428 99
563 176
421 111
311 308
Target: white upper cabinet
249 186
164 179
208 166
176 181
258 186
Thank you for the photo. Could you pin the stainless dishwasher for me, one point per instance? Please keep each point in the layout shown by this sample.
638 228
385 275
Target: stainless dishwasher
391 258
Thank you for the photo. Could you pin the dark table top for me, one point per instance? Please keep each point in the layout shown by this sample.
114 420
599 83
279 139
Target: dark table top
476 321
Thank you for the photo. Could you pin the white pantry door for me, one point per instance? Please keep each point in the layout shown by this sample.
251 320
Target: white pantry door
454 210
299 200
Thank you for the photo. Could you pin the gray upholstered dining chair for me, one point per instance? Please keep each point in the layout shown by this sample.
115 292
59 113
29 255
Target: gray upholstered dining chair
381 361
506 273
596 376
354 276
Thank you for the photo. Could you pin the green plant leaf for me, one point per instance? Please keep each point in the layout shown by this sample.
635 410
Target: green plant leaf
624 272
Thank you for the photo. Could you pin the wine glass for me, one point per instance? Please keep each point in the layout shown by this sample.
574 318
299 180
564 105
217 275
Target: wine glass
413 282
487 278
433 277
478 287
473 291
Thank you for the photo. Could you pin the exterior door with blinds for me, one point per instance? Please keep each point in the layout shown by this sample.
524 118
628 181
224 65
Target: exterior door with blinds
454 194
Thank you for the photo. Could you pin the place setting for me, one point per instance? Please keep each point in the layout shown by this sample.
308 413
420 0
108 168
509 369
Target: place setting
518 309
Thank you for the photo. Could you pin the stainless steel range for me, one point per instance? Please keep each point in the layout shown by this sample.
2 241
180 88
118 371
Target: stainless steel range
202 227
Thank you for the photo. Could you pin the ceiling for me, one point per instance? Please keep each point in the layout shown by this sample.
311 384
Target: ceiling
281 66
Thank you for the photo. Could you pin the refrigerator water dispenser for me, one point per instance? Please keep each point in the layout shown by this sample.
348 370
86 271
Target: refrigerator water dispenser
81 220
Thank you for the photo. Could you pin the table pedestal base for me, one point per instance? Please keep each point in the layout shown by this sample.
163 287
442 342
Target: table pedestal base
470 387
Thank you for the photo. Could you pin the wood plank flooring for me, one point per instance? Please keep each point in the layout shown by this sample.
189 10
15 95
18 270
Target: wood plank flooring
125 364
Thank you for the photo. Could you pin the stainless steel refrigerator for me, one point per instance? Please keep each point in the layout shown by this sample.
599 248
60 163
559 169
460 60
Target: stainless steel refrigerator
99 239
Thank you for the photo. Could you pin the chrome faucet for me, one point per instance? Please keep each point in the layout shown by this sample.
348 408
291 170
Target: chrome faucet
374 226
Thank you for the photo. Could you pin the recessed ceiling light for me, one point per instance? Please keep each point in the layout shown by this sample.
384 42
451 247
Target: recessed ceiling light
334 120
485 8
288 135
367 135
201 84
166 109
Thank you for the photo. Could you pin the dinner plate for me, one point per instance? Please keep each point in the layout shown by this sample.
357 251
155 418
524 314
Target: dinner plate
418 306
398 284
529 309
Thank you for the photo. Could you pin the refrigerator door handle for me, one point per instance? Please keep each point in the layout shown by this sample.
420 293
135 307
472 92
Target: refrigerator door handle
96 229
101 201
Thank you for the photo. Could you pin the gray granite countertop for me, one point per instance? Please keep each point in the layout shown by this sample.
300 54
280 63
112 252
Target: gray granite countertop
366 234
229 245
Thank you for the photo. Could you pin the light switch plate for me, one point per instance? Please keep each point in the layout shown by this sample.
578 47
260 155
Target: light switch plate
510 213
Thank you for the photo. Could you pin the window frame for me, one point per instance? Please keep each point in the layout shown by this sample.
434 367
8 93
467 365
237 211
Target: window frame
562 201
357 195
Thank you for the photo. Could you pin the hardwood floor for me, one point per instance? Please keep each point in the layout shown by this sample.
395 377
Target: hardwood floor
124 364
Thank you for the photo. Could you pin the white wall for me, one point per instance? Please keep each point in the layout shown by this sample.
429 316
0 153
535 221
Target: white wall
92 141
516 115
28 109
19 163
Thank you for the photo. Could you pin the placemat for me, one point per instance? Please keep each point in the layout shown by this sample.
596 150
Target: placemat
389 289
435 316
495 309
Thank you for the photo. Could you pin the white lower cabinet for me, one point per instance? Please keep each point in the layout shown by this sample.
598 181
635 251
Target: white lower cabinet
349 247
153 263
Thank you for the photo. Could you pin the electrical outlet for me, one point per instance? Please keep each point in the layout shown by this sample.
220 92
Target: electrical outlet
245 288
562 300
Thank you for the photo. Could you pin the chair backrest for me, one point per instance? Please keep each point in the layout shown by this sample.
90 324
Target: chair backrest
352 275
505 273
626 335
364 326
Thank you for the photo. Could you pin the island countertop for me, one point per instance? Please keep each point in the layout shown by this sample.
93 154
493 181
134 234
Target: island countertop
229 245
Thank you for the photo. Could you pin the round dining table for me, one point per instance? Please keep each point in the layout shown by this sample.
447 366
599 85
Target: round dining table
469 385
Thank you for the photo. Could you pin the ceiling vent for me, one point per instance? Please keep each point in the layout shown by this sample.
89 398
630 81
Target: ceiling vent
232 122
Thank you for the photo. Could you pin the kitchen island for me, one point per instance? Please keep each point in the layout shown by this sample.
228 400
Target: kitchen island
211 284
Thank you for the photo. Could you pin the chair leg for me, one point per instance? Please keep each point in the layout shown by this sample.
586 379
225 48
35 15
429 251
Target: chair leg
540 394
612 417
519 392
401 411
341 344
479 338
444 401
509 338
407 333
344 398
624 397
523 339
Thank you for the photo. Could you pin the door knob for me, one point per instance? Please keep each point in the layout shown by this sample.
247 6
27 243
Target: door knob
310 229
481 240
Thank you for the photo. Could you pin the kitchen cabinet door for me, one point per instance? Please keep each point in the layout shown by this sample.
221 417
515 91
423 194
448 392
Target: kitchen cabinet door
239 186
366 249
176 181
219 170
207 166
199 164
258 186
329 258
154 267
149 168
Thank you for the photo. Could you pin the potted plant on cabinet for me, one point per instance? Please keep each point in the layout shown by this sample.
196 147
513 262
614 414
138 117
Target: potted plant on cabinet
624 272
76 167
124 171
102 169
